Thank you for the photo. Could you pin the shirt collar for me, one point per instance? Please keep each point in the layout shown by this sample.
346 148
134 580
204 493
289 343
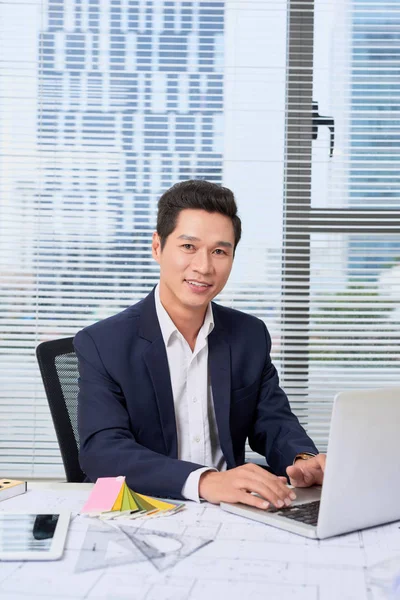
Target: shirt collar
168 327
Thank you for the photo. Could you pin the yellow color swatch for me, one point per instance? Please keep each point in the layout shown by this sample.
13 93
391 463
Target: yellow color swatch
160 504
142 503
118 503
125 499
133 504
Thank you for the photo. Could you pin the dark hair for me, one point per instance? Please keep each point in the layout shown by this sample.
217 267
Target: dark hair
195 194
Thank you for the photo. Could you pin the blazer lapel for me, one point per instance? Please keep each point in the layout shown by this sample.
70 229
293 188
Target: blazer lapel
219 360
155 357
157 363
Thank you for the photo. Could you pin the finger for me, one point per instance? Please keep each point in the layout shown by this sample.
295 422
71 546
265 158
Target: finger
250 500
304 466
317 462
304 476
279 485
269 478
248 485
299 483
296 476
266 492
317 474
309 477
273 483
313 471
295 472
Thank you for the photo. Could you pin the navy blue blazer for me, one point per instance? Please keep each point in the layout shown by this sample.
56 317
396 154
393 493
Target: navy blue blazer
126 417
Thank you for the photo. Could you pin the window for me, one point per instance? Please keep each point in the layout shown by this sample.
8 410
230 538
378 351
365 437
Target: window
106 104
342 211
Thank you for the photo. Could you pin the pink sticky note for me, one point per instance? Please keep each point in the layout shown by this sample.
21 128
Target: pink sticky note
104 494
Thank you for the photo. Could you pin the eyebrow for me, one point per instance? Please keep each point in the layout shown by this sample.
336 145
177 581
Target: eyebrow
191 238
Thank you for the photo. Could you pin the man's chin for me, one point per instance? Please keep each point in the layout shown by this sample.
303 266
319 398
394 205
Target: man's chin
196 302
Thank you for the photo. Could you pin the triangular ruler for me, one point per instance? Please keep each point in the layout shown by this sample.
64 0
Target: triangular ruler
106 546
117 551
154 545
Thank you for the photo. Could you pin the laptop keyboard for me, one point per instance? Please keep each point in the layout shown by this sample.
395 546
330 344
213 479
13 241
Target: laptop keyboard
305 513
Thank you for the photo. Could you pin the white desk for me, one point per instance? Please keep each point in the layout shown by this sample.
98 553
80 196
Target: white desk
246 560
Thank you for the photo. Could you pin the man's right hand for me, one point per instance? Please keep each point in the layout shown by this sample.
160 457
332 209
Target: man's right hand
237 484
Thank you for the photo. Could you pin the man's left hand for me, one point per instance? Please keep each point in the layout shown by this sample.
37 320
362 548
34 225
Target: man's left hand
305 473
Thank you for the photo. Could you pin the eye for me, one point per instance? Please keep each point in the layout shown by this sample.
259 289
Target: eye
187 246
219 251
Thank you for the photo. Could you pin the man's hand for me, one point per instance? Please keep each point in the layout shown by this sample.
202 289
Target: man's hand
237 484
305 473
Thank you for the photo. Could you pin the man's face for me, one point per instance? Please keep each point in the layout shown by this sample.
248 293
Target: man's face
196 260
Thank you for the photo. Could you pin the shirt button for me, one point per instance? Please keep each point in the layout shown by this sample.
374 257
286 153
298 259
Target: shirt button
197 439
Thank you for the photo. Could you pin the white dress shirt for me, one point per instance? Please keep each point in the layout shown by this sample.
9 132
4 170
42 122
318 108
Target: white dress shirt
196 426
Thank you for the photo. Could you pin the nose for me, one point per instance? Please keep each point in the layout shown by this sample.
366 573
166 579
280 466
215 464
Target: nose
202 262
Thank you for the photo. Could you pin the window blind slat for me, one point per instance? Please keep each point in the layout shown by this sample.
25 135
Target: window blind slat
98 122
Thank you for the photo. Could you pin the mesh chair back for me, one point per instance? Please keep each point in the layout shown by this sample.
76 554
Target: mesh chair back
59 369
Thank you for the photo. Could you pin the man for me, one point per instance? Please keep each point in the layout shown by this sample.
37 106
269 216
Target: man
171 388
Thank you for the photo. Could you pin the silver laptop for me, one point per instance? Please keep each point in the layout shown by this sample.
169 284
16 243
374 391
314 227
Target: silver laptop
362 476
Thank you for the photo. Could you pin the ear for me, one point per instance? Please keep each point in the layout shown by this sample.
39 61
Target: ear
156 247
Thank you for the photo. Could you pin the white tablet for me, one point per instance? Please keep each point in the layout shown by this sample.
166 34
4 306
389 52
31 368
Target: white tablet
26 536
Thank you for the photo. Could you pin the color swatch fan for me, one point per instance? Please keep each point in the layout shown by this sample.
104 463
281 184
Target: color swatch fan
111 498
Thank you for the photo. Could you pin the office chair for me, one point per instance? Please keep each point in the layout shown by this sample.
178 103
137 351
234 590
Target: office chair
59 370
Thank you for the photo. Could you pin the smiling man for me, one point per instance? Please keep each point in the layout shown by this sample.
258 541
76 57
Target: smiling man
171 388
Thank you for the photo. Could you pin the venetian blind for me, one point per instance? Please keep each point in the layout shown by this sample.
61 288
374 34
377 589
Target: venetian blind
105 104
340 319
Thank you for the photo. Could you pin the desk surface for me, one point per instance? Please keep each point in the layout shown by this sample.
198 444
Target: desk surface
242 559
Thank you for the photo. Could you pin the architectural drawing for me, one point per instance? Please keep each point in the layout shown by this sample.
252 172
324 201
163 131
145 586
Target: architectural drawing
164 549
246 560
108 545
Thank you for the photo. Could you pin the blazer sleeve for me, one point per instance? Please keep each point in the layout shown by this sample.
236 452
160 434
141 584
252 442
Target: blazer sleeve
276 432
107 445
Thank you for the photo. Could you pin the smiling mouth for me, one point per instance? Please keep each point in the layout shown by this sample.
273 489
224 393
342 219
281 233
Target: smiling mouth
198 284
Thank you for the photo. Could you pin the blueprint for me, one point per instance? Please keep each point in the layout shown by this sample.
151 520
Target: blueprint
201 553
108 544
